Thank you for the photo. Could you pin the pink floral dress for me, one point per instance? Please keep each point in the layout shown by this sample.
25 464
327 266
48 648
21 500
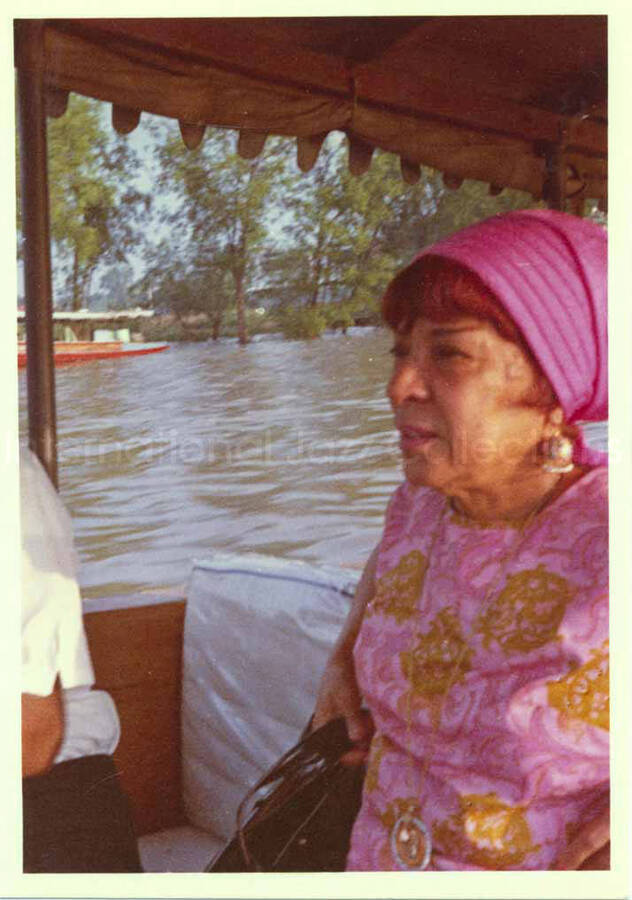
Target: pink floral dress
521 747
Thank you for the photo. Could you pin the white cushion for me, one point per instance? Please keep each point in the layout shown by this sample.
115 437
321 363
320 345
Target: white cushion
257 634
183 849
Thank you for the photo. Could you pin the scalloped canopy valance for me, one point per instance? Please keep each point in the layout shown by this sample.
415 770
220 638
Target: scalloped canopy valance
503 99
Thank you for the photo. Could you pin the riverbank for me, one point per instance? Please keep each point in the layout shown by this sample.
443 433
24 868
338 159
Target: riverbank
192 329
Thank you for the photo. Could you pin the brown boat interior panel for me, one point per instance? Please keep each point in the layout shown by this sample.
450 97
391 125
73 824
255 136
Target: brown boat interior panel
137 656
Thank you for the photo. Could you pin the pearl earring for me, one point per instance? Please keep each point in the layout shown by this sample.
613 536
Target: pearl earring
558 454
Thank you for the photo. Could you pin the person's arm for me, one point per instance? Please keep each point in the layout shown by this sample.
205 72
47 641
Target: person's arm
42 730
338 694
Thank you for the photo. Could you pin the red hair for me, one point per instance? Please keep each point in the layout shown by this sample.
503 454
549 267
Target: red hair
438 289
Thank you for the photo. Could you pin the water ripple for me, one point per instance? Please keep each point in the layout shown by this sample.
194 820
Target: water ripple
283 447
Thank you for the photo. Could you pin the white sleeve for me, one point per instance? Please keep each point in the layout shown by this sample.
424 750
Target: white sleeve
53 638
91 724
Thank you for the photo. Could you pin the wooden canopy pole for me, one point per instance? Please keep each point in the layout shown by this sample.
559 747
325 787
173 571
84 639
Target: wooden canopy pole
555 193
555 190
40 366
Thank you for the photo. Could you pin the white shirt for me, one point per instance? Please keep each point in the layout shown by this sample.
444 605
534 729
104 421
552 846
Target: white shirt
53 638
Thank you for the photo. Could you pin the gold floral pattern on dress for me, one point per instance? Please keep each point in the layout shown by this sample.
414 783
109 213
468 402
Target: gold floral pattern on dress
397 591
379 745
396 808
585 693
528 611
485 832
429 665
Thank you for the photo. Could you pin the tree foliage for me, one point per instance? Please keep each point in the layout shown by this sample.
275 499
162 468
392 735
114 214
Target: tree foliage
302 322
470 203
112 291
223 201
348 234
95 209
327 241
281 237
184 287
228 232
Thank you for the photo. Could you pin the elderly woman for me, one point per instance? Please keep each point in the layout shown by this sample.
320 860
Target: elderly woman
479 633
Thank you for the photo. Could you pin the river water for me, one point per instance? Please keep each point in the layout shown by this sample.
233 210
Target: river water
282 447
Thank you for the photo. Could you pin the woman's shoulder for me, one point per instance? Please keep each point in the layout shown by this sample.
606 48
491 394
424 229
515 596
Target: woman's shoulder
572 534
587 498
596 480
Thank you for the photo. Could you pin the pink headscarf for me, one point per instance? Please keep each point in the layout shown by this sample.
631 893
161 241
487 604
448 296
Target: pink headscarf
549 271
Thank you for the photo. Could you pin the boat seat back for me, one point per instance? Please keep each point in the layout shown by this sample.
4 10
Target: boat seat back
257 634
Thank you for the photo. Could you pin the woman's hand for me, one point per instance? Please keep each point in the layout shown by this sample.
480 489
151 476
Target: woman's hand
590 848
339 695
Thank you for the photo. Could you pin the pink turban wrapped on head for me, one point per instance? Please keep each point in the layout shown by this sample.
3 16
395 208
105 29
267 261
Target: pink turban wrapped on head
549 272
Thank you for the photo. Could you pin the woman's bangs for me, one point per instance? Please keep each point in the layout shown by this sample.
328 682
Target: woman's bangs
439 290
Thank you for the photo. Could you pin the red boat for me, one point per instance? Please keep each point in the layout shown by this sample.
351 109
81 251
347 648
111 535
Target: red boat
85 351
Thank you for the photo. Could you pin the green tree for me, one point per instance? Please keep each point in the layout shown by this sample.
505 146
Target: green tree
306 270
386 216
349 234
302 322
470 203
185 286
225 201
113 290
95 209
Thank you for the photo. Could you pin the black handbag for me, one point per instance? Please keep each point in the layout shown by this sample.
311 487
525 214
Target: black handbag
298 816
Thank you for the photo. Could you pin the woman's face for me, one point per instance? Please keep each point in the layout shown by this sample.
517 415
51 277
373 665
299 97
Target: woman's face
457 392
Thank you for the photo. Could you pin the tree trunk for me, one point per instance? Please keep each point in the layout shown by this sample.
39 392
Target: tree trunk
313 300
76 293
242 334
217 324
317 267
84 289
364 259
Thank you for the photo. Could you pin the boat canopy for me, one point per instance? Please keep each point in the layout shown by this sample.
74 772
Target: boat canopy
485 97
515 101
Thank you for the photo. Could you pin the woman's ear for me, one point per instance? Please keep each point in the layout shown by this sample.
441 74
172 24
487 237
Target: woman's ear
553 421
556 424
